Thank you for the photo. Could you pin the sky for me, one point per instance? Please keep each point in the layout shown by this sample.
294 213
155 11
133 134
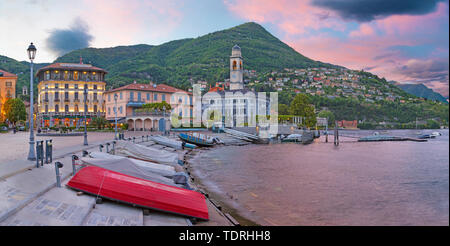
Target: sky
405 41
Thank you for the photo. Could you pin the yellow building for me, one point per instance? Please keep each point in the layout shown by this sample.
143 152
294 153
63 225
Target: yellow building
7 89
61 93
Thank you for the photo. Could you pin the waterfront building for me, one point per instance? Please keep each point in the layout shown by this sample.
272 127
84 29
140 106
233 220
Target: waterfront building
237 106
7 88
61 94
131 97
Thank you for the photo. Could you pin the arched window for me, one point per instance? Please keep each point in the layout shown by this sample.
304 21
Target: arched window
234 65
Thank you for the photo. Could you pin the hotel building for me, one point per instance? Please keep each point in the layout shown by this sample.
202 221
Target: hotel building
61 94
131 97
7 88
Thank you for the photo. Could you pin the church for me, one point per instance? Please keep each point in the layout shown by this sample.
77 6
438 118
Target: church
238 106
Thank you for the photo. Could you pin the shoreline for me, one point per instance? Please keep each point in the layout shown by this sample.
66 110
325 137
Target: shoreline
218 200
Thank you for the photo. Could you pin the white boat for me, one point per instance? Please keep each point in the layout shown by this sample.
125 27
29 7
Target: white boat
171 143
435 134
164 170
293 138
145 153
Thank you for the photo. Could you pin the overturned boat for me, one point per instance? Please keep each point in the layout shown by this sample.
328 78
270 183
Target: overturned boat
196 139
164 170
139 192
145 153
172 143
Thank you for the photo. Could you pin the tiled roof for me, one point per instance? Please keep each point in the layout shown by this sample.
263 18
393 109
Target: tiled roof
7 74
72 66
148 87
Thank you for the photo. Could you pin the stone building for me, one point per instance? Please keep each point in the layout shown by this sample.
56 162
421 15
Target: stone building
61 94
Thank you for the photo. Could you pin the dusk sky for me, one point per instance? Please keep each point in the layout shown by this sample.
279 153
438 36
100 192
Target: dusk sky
406 41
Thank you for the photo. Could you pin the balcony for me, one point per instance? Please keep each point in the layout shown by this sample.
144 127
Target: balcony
135 104
150 113
76 100
66 100
57 100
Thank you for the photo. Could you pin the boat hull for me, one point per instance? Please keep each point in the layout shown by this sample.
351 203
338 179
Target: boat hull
139 192
194 140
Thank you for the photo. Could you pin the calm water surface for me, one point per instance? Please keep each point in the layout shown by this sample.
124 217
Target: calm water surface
379 183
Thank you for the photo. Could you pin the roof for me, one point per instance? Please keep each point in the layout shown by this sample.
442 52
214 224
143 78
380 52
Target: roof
7 74
149 87
72 66
236 47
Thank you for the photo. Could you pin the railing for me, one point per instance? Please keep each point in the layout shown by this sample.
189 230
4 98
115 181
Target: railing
150 113
80 114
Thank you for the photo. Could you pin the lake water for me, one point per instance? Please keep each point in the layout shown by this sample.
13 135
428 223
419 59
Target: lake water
355 183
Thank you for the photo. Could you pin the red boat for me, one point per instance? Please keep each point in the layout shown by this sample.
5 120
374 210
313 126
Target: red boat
139 192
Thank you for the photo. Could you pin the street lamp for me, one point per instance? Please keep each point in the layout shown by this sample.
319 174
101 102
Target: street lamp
115 111
85 110
31 54
164 119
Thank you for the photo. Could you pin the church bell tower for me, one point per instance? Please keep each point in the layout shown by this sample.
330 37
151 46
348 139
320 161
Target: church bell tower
236 69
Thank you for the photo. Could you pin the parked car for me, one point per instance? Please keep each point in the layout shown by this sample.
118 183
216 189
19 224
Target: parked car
21 128
4 129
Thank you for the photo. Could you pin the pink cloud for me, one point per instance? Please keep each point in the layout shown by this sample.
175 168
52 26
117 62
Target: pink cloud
367 46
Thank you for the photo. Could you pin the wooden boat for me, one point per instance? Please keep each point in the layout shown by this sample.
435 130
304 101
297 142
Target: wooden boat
195 140
171 143
139 192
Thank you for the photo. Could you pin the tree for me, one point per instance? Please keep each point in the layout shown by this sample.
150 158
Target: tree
100 122
328 115
14 110
283 109
302 107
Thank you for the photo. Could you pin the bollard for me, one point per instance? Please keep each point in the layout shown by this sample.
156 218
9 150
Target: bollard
147 138
100 147
134 139
107 148
142 138
114 147
58 165
48 151
85 153
74 168
39 153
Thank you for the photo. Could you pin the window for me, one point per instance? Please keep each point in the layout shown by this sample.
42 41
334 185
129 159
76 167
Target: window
8 84
66 86
75 75
66 75
120 109
131 96
109 97
155 97
66 108
56 108
47 75
139 96
46 108
46 95
76 107
85 86
148 96
46 86
120 95
109 110
66 95
164 97
76 95
76 86
95 108
56 95
95 87
56 86
234 65
95 96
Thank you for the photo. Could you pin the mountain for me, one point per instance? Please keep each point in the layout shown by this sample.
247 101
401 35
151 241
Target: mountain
204 58
420 90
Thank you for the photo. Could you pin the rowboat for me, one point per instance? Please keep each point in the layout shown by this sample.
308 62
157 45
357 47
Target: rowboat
171 143
139 192
197 140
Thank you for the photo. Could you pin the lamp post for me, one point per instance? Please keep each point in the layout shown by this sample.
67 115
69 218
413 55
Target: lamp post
31 54
164 119
85 110
115 111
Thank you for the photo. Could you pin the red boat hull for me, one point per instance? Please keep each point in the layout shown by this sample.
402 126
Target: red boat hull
144 193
